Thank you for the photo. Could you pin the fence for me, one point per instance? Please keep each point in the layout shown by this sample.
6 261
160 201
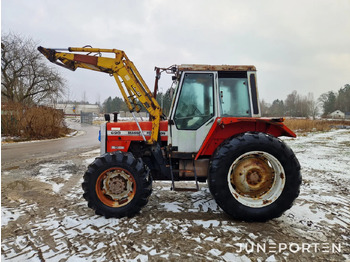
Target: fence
86 117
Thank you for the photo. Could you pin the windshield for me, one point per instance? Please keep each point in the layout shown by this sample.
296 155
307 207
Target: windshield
196 101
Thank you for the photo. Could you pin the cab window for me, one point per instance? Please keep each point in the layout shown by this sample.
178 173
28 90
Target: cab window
234 94
196 101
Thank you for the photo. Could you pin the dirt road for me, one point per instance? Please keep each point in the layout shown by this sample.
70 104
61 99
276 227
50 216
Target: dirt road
45 218
13 154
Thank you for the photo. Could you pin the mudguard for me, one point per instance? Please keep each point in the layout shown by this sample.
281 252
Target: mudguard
226 127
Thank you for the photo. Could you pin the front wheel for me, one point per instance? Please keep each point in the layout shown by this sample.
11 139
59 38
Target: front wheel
254 177
117 185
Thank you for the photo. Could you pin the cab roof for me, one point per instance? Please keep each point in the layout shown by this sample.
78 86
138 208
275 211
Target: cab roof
193 67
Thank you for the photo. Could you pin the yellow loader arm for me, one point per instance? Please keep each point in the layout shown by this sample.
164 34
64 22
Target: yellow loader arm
124 71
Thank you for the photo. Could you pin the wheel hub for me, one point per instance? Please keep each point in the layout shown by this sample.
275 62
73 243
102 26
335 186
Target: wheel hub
252 176
117 185
256 179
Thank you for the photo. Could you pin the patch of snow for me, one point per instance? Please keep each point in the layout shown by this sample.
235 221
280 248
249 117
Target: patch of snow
253 236
215 252
271 259
9 138
172 207
72 133
208 223
21 241
210 238
56 187
154 252
205 205
150 228
146 248
9 214
166 256
50 173
132 231
228 256
139 258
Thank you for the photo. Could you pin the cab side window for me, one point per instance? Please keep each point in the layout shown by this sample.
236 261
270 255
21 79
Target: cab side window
234 94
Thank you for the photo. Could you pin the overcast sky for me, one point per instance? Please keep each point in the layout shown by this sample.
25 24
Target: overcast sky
297 45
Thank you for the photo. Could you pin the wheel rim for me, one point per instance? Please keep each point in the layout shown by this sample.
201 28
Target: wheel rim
116 187
256 179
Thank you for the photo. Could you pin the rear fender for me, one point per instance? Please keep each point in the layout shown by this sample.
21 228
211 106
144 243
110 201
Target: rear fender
227 127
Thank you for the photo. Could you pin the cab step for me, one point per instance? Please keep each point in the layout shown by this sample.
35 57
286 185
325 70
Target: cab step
184 189
172 171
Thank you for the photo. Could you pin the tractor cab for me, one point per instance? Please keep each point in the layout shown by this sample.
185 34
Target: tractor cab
205 93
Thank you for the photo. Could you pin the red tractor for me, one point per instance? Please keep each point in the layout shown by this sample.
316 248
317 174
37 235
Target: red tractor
213 133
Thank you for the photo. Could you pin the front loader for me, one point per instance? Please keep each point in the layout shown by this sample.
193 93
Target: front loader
213 133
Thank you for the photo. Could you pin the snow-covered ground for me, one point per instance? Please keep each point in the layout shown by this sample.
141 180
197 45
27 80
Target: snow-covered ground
45 218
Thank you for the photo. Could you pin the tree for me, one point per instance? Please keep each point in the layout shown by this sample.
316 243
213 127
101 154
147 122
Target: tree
114 105
277 108
117 104
313 105
164 100
25 77
328 101
332 101
264 108
343 99
303 106
84 100
291 104
300 106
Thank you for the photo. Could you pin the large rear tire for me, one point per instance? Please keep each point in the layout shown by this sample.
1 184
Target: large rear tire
117 185
254 177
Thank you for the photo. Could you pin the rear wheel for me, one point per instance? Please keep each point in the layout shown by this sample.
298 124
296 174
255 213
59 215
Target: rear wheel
117 185
254 177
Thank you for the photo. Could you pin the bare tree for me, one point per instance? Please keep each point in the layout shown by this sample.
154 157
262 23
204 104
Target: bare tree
25 77
84 101
264 107
301 106
313 105
291 103
277 108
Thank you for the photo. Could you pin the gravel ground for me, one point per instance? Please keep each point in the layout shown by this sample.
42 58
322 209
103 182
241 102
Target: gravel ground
45 218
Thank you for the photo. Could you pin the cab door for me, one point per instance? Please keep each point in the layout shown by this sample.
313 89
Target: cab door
194 110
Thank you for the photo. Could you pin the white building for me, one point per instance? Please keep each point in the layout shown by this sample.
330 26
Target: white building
76 109
337 114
